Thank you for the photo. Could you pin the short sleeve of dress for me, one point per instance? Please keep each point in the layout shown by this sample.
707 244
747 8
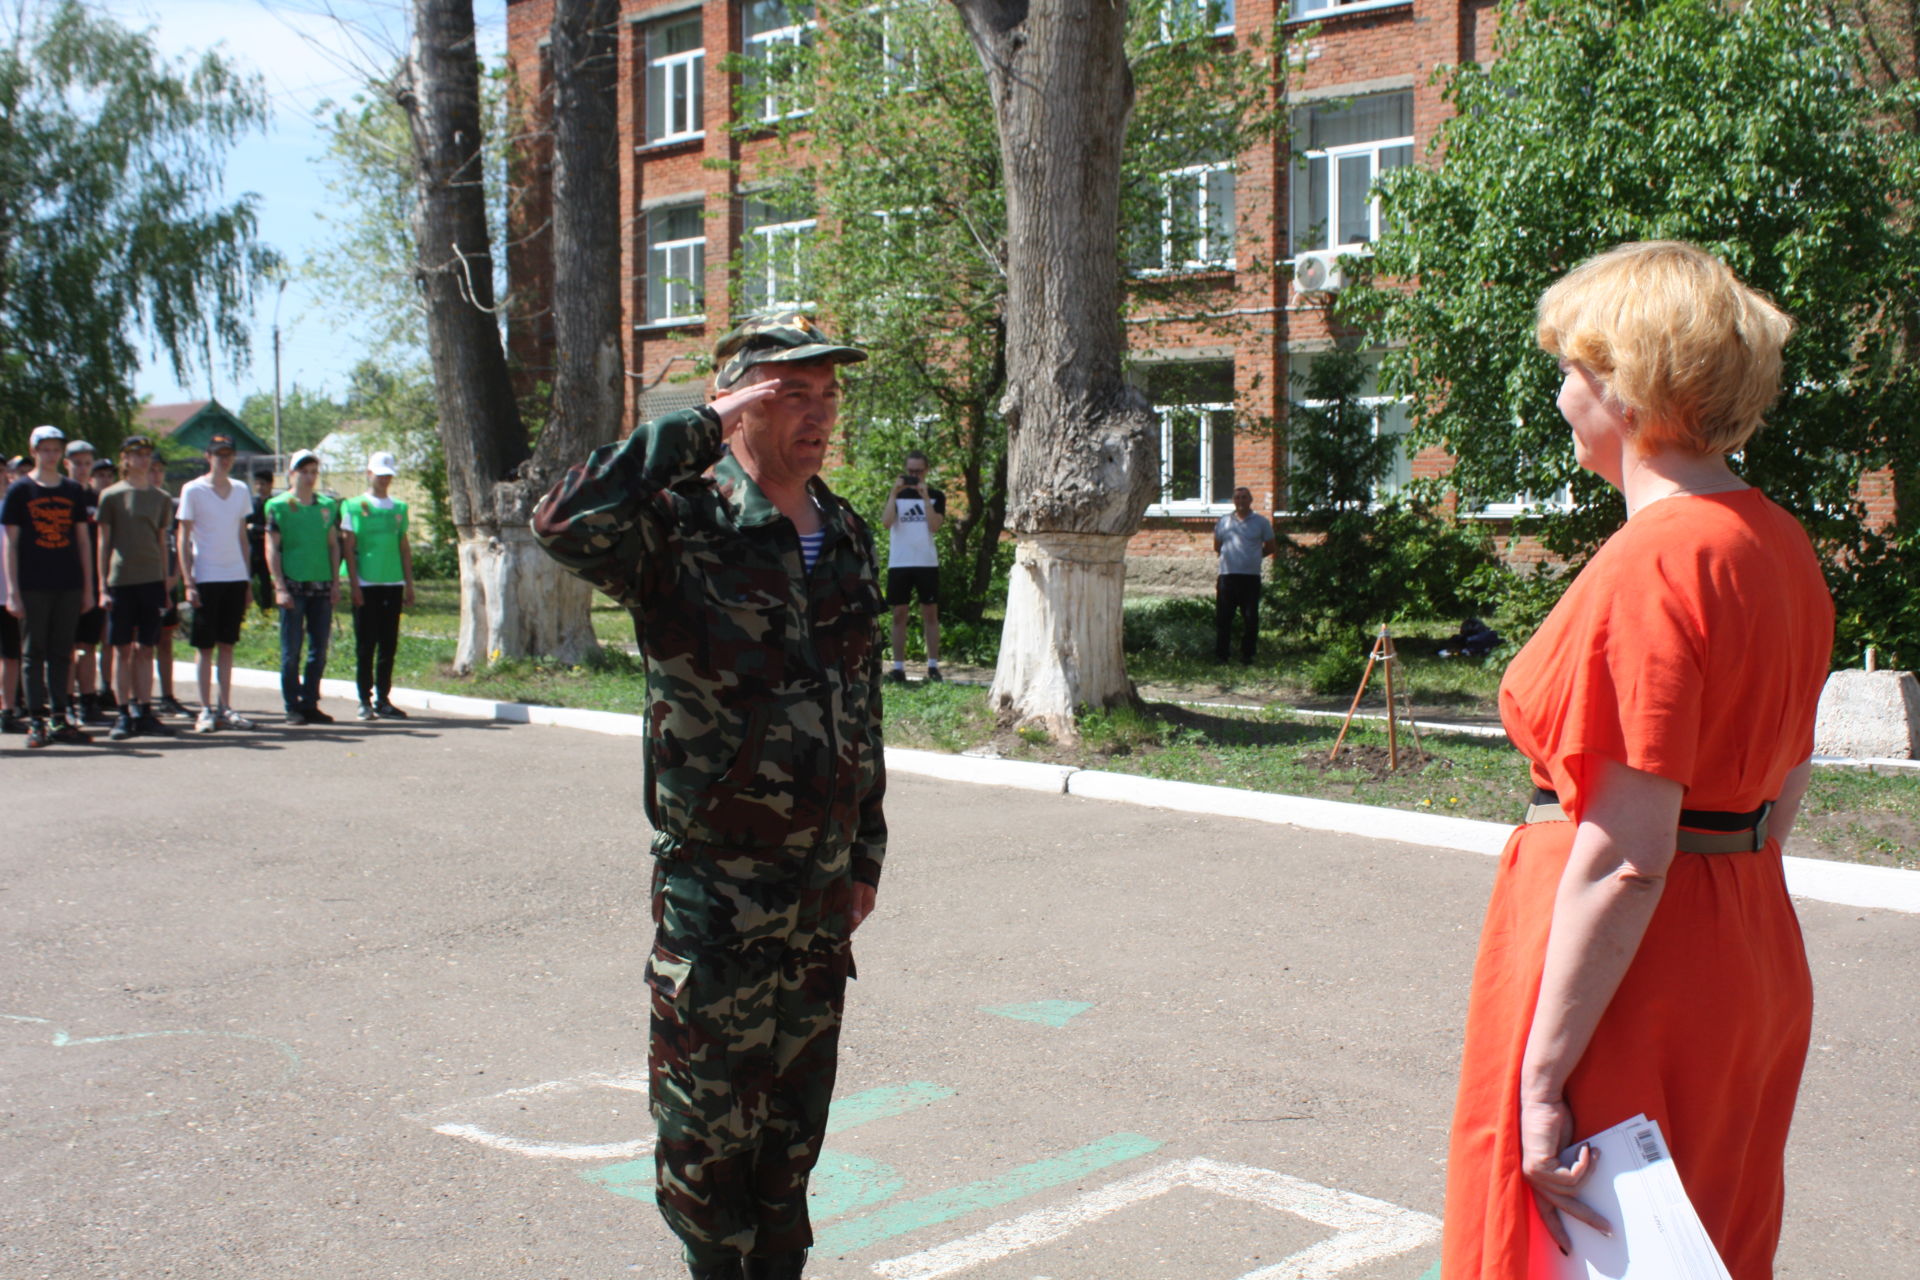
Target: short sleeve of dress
1636 674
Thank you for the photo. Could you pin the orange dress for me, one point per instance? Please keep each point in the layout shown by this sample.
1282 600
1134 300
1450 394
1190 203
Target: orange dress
1693 646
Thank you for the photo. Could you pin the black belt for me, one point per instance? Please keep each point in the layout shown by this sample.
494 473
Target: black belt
1701 830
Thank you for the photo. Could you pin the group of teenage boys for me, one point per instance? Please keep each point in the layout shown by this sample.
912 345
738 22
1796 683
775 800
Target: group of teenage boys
103 552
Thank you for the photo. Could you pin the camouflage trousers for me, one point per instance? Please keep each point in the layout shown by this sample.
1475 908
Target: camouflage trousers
747 979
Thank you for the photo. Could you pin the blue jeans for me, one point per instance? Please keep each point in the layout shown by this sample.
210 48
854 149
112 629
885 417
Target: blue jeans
313 616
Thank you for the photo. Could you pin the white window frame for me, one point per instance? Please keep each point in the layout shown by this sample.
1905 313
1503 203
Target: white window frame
1168 505
690 66
1375 405
899 59
1299 12
1191 182
1175 14
690 284
1329 241
761 46
774 240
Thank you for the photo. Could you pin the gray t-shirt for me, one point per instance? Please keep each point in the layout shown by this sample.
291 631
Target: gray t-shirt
1241 542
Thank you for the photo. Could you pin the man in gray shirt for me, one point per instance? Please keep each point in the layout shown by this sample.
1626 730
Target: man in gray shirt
1243 540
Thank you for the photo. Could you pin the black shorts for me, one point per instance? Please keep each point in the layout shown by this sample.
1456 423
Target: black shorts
222 608
92 625
9 636
137 611
904 584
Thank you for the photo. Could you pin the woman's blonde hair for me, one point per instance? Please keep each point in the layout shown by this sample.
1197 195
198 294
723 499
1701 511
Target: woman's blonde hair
1690 353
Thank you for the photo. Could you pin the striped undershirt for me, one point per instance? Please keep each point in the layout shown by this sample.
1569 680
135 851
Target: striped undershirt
810 547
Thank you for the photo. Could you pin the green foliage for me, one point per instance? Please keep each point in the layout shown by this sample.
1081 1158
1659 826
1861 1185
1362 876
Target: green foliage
898 156
1367 565
1178 626
111 158
306 417
1877 601
1737 127
1518 602
1337 671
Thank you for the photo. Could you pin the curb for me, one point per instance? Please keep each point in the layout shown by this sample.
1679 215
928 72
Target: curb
1843 884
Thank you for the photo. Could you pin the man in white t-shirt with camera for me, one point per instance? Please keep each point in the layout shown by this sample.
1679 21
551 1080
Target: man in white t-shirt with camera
914 512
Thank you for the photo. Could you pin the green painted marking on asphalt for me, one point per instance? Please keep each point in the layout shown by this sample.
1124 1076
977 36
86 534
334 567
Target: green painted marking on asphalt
1052 1013
1432 1272
944 1206
883 1103
630 1178
843 1183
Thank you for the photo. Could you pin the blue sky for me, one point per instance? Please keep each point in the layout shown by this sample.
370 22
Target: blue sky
307 51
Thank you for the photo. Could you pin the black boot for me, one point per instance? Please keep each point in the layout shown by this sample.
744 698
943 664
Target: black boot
777 1266
729 1270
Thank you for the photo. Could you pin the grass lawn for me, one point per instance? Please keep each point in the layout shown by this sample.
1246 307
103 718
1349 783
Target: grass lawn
1850 815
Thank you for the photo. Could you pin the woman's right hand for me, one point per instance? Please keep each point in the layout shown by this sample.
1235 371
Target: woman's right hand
1546 1127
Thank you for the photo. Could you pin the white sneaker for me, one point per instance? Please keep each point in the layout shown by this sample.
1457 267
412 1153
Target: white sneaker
206 721
231 719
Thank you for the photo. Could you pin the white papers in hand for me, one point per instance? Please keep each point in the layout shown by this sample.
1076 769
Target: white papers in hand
1635 1187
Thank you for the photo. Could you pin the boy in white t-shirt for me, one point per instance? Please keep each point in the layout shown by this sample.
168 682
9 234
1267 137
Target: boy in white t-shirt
215 567
914 512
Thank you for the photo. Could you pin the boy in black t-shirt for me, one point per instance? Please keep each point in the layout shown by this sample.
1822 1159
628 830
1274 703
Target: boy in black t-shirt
49 550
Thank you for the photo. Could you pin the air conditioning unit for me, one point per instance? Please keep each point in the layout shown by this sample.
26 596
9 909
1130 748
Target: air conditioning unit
1318 271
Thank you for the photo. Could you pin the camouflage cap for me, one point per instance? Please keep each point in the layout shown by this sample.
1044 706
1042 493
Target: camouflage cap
781 336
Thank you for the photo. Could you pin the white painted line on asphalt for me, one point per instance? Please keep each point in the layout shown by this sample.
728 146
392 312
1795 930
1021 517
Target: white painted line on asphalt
1843 884
548 1150
1294 811
1368 1230
633 1081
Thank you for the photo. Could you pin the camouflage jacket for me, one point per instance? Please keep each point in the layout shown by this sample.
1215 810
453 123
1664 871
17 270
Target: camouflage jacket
763 679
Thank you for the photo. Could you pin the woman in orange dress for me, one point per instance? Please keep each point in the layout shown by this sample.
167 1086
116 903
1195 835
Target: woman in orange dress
1640 953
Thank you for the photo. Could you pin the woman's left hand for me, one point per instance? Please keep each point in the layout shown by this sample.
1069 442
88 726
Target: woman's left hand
1546 1126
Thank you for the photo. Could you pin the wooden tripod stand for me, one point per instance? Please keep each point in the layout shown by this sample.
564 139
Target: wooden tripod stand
1383 654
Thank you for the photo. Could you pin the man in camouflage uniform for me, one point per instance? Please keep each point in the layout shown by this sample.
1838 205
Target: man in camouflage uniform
756 600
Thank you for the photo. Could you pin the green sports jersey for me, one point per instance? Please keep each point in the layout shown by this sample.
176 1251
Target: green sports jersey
304 553
377 536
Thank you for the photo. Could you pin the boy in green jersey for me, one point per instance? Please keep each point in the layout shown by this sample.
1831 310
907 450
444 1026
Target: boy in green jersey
303 553
379 567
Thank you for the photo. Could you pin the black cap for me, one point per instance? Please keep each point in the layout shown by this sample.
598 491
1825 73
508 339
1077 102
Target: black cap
136 442
105 464
219 441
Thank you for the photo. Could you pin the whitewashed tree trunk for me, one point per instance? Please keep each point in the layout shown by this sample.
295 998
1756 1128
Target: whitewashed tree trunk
516 600
1083 447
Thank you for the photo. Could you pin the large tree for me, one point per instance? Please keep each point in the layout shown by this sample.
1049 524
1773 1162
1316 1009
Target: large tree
112 230
899 157
1739 127
514 600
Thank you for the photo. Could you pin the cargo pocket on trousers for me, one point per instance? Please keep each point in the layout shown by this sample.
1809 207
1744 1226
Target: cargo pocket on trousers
672 1035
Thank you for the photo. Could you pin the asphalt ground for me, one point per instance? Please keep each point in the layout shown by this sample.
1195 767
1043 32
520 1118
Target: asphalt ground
365 1001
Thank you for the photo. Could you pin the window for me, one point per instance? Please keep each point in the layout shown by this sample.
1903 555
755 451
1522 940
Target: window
1194 399
1196 223
774 33
898 35
1344 150
1390 418
1192 17
675 63
676 263
773 256
1321 8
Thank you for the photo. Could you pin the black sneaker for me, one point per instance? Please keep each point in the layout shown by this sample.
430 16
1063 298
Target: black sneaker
934 676
149 725
365 712
67 732
122 728
896 676
315 715
89 708
38 736
12 722
387 711
170 705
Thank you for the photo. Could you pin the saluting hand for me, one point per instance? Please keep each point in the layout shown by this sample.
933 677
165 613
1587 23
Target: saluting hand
731 405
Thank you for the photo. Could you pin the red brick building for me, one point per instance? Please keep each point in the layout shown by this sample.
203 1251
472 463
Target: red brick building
1363 99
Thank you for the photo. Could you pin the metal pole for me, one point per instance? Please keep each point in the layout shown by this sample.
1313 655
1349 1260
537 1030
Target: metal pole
278 453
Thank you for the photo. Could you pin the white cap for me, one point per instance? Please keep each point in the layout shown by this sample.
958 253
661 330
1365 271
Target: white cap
46 433
300 459
79 446
383 464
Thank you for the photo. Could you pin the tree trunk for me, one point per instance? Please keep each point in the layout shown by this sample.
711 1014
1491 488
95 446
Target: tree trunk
512 603
1083 447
